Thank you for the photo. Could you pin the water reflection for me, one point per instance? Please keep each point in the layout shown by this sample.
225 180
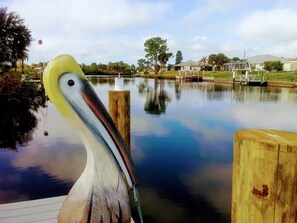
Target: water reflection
178 90
18 100
95 81
16 127
183 155
157 98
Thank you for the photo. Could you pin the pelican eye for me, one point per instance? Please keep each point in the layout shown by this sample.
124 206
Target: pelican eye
71 82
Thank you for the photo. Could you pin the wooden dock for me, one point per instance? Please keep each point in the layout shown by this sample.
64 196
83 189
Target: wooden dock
192 78
35 211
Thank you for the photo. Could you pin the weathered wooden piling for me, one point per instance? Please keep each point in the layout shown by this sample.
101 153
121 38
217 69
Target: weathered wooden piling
119 110
264 184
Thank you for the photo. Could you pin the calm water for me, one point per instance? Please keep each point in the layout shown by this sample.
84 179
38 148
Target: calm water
182 137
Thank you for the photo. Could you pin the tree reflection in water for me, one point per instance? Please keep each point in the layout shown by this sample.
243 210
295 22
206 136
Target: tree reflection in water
156 99
18 100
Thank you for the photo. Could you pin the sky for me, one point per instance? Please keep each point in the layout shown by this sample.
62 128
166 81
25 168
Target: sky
103 31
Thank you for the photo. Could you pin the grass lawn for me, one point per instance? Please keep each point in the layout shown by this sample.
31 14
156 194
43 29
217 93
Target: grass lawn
271 76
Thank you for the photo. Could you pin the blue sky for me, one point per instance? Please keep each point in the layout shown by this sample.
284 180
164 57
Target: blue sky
101 31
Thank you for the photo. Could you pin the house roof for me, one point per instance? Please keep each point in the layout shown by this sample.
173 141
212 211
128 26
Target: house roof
263 58
291 60
188 63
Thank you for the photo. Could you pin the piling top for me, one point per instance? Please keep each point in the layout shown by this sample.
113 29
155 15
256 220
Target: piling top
119 83
287 141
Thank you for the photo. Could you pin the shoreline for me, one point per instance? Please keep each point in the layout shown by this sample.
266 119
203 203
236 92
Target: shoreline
270 83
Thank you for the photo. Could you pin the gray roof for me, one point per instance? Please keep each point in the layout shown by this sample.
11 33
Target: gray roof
291 60
188 63
263 58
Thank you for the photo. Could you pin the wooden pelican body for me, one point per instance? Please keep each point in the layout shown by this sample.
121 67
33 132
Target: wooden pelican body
107 187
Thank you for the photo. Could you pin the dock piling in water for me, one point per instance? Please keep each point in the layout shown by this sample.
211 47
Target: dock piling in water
119 109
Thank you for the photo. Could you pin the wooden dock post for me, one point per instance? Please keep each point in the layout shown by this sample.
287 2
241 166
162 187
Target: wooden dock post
264 184
119 109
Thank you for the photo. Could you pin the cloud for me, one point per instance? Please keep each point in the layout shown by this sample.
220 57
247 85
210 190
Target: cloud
112 30
151 126
214 182
87 29
202 11
89 15
276 24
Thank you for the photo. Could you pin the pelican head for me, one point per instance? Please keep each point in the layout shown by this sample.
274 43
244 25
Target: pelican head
106 189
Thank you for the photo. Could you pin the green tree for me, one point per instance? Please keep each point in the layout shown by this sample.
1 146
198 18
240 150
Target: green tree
203 60
163 59
143 65
178 57
235 59
273 66
218 60
15 38
154 47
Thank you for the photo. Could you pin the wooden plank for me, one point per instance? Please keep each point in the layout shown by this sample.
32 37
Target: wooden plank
35 211
42 211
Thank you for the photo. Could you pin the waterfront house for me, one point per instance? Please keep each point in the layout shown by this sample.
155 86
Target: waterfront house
257 62
189 65
290 64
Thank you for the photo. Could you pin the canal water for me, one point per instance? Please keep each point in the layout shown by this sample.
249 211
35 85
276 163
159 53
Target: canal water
181 139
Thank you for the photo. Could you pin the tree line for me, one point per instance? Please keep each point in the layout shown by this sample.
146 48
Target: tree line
112 68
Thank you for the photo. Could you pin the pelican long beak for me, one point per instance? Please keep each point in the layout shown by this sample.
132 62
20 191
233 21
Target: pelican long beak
99 110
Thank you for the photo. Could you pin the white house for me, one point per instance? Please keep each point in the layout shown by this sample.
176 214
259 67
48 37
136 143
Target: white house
257 62
290 64
189 65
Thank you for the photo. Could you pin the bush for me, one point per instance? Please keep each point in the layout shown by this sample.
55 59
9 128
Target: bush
16 94
4 68
206 68
273 66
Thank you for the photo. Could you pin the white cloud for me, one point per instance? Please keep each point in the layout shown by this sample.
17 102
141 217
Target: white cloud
89 15
276 24
269 32
87 29
111 30
201 11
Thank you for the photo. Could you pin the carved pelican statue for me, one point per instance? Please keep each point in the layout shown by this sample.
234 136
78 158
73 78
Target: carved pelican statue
106 190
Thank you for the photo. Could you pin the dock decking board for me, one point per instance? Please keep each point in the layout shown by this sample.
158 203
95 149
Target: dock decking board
41 211
35 211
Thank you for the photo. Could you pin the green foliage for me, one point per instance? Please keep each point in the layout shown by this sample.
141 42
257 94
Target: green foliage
236 59
163 59
143 65
170 66
4 68
218 60
112 68
15 37
17 100
203 60
17 94
178 57
273 66
206 68
157 52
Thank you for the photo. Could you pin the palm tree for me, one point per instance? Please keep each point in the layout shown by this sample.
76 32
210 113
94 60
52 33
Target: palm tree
203 60
15 37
